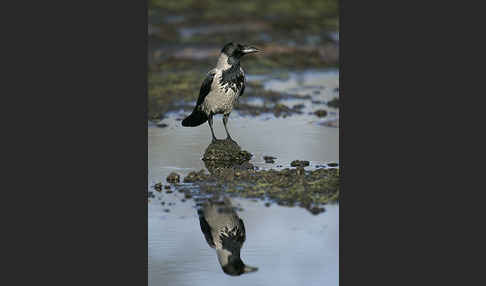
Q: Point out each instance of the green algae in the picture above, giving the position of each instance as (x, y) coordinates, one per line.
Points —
(166, 89)
(230, 172)
(288, 187)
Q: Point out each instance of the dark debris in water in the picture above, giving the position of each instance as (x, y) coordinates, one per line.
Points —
(173, 178)
(158, 187)
(316, 210)
(320, 113)
(299, 163)
(269, 159)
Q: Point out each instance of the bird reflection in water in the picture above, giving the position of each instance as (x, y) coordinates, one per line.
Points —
(225, 232)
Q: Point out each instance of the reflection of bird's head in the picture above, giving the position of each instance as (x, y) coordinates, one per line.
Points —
(232, 263)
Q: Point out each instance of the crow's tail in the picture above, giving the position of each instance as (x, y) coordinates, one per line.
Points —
(196, 118)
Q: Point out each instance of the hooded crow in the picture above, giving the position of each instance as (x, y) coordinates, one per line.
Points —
(221, 88)
(225, 232)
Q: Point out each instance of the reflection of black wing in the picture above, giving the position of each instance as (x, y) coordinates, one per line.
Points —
(206, 229)
(243, 232)
(233, 239)
(205, 87)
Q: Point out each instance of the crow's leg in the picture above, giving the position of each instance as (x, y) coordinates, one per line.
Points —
(225, 121)
(210, 121)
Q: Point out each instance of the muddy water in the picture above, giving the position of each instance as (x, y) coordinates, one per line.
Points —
(288, 245)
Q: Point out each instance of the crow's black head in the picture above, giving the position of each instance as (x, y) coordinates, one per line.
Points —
(237, 50)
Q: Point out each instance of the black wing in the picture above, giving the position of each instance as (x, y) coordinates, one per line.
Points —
(206, 229)
(205, 88)
(242, 89)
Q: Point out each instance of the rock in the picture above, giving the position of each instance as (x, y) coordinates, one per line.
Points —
(226, 150)
(298, 106)
(316, 210)
(280, 109)
(269, 159)
(298, 163)
(320, 113)
(173, 178)
(195, 176)
(158, 187)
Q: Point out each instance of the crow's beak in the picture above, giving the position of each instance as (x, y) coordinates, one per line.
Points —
(249, 269)
(249, 50)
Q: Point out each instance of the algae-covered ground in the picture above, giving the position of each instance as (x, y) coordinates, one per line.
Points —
(231, 173)
(186, 36)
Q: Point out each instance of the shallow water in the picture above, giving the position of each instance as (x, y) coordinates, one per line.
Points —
(289, 245)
